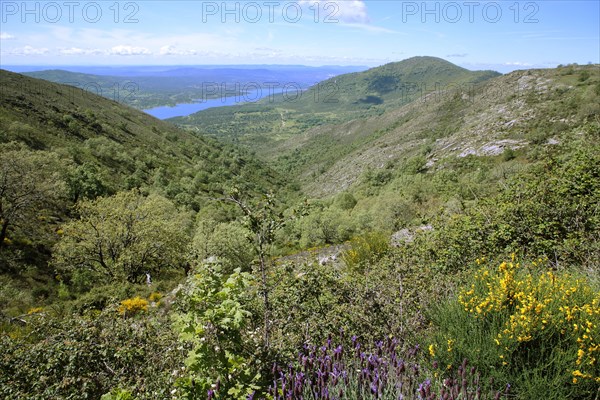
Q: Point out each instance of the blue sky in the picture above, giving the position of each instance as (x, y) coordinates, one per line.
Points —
(501, 35)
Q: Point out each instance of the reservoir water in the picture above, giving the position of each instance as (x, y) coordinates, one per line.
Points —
(185, 109)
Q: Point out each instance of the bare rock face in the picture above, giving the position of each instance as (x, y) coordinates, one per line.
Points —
(407, 235)
(494, 148)
(401, 237)
(328, 259)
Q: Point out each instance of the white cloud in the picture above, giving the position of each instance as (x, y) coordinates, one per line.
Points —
(267, 51)
(369, 28)
(76, 51)
(123, 50)
(172, 51)
(348, 11)
(6, 36)
(353, 11)
(518, 64)
(29, 51)
(457, 55)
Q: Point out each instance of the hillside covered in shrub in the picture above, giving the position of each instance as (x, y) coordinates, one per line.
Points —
(142, 261)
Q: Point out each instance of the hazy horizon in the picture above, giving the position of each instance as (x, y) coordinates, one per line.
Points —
(81, 67)
(501, 36)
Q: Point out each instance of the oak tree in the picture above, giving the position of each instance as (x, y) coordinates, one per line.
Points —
(123, 237)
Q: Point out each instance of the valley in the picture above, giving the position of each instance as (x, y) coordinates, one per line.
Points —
(417, 207)
(169, 86)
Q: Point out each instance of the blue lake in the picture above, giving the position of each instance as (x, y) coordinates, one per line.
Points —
(184, 109)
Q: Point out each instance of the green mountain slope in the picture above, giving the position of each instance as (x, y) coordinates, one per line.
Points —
(60, 145)
(447, 113)
(518, 110)
(125, 90)
(401, 170)
(262, 125)
(388, 85)
(129, 147)
(444, 149)
(423, 106)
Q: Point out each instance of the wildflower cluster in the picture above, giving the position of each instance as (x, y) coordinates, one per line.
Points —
(334, 372)
(133, 306)
(586, 319)
(155, 297)
(536, 308)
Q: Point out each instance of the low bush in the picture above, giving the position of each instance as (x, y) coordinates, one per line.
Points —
(214, 319)
(130, 307)
(366, 249)
(533, 328)
(73, 357)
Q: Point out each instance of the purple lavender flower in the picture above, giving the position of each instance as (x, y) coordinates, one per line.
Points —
(337, 352)
(327, 372)
(374, 389)
(421, 391)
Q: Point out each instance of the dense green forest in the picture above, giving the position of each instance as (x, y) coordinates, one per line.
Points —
(439, 245)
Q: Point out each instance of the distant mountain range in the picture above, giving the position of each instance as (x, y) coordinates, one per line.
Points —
(173, 70)
(148, 87)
